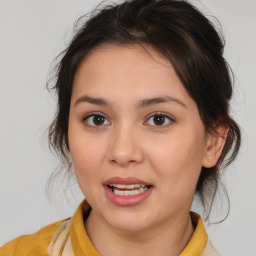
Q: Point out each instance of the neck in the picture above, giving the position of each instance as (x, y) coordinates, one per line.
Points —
(168, 238)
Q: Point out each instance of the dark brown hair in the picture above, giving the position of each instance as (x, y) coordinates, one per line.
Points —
(182, 34)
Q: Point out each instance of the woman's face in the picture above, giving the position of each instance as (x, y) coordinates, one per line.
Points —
(136, 138)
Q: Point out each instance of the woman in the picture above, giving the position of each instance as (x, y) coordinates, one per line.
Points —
(143, 114)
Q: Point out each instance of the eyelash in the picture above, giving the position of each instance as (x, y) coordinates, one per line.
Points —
(93, 114)
(152, 115)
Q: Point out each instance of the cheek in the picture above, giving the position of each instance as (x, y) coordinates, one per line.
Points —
(86, 153)
(87, 162)
(86, 157)
(178, 163)
(83, 155)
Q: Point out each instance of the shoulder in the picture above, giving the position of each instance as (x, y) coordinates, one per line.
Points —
(31, 244)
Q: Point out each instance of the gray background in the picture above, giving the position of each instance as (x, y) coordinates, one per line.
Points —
(32, 34)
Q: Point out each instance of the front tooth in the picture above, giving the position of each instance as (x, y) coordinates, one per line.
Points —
(117, 185)
(119, 192)
(130, 192)
(130, 186)
(133, 192)
(120, 186)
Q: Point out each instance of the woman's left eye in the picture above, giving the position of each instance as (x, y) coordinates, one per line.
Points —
(160, 120)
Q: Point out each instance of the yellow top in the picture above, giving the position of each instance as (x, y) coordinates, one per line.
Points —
(38, 243)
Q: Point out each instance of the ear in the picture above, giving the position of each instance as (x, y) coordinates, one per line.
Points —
(215, 144)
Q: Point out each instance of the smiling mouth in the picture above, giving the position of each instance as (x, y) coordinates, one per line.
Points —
(128, 190)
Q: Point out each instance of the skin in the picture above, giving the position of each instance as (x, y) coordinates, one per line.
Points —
(129, 143)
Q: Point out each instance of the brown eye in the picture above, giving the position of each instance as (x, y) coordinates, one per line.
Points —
(95, 120)
(98, 120)
(160, 120)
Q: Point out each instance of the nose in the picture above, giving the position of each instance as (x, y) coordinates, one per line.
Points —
(125, 147)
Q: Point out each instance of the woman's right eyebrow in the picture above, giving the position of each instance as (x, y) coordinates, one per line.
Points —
(95, 101)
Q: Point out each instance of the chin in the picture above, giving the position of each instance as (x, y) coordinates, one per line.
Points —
(129, 222)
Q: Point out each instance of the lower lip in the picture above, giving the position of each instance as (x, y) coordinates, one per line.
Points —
(127, 200)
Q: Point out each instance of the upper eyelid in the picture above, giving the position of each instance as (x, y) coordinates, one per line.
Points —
(160, 113)
(94, 114)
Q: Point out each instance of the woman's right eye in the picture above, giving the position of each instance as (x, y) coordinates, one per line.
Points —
(95, 120)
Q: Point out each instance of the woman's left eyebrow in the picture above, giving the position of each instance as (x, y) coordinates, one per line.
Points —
(158, 100)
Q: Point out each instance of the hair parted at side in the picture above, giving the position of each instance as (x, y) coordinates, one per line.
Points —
(182, 34)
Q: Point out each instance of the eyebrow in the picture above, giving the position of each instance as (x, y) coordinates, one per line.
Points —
(158, 100)
(95, 101)
(141, 104)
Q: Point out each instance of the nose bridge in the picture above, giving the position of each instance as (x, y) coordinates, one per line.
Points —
(125, 145)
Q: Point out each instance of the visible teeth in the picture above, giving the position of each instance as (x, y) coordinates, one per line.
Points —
(129, 192)
(129, 186)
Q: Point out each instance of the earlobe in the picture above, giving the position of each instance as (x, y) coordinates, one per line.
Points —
(215, 144)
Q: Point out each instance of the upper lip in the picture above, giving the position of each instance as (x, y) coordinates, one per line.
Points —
(125, 181)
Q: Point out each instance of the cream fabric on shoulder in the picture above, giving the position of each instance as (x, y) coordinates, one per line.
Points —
(209, 250)
(60, 244)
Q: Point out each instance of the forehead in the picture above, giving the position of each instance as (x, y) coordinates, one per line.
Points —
(125, 58)
(133, 71)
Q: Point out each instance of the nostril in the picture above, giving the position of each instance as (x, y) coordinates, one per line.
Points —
(122, 162)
